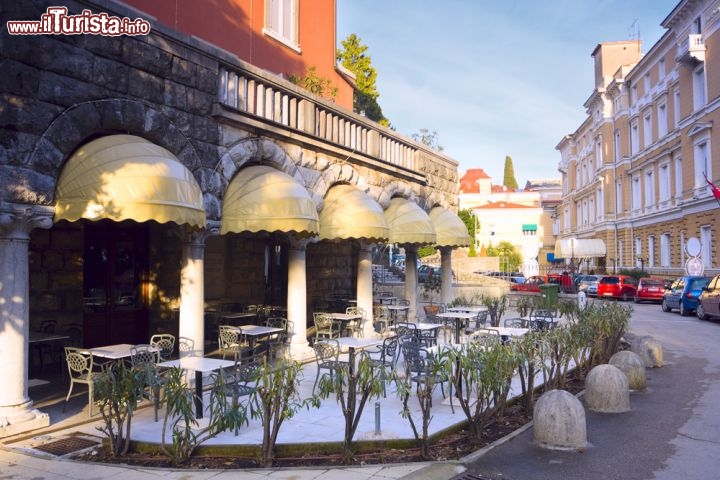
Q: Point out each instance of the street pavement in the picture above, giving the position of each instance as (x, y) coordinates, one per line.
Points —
(671, 432)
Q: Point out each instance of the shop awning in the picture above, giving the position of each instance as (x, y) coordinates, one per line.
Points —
(529, 227)
(349, 213)
(582, 248)
(263, 199)
(409, 223)
(450, 230)
(124, 177)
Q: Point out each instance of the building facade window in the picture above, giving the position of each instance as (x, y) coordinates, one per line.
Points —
(646, 84)
(638, 250)
(636, 194)
(664, 183)
(676, 107)
(682, 248)
(706, 245)
(665, 250)
(699, 91)
(662, 120)
(647, 130)
(678, 177)
(600, 203)
(661, 69)
(702, 166)
(281, 20)
(618, 197)
(634, 140)
(651, 251)
(649, 188)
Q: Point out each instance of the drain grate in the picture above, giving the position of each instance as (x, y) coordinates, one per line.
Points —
(66, 445)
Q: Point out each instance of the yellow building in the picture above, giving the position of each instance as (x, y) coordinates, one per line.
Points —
(634, 171)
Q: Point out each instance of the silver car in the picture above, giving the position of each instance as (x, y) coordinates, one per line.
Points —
(588, 284)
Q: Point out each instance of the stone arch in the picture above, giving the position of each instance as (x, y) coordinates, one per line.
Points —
(252, 151)
(339, 173)
(396, 188)
(76, 124)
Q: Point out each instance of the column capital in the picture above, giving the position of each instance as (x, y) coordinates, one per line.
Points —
(301, 243)
(17, 220)
(197, 237)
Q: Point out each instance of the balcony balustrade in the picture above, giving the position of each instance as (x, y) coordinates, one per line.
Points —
(691, 49)
(268, 99)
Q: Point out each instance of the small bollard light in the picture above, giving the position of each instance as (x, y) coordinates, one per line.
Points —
(377, 418)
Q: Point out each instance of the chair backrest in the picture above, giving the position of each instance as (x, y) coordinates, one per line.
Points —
(402, 328)
(143, 355)
(516, 322)
(247, 371)
(228, 337)
(79, 362)
(165, 342)
(326, 350)
(323, 321)
(389, 348)
(486, 337)
(355, 311)
(74, 331)
(381, 312)
(415, 357)
(278, 322)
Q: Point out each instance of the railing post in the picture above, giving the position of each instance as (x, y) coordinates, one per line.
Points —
(306, 117)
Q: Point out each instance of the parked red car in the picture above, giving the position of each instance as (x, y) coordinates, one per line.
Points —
(650, 289)
(617, 286)
(533, 283)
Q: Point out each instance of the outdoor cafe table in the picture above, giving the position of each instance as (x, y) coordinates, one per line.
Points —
(200, 365)
(510, 331)
(116, 352)
(238, 315)
(394, 309)
(344, 318)
(255, 331)
(467, 309)
(460, 318)
(352, 343)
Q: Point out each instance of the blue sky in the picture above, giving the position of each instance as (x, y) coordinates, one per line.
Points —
(493, 78)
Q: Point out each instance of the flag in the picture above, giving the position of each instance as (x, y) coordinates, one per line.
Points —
(715, 190)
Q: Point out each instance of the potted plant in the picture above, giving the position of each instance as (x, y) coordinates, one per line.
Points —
(431, 287)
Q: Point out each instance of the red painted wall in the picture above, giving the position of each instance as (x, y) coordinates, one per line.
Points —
(237, 26)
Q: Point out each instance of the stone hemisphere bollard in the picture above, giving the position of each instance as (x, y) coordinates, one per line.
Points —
(607, 390)
(559, 421)
(632, 366)
(649, 350)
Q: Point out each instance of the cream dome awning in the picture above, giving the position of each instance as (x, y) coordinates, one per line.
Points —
(263, 199)
(125, 177)
(409, 223)
(349, 213)
(579, 248)
(450, 230)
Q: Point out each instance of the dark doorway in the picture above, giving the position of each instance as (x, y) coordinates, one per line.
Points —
(276, 274)
(115, 274)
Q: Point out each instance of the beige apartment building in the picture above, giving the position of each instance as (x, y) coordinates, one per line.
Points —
(634, 171)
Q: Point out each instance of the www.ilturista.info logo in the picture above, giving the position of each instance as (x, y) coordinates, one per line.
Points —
(57, 22)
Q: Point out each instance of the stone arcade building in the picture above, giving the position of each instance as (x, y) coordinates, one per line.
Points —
(143, 178)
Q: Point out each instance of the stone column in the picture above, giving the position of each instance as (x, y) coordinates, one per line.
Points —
(364, 287)
(192, 291)
(16, 222)
(411, 283)
(446, 289)
(297, 299)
